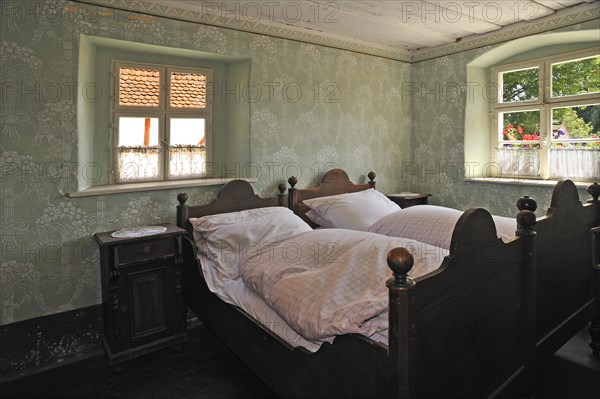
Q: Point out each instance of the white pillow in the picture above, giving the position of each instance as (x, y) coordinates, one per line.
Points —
(226, 239)
(430, 224)
(354, 211)
(314, 216)
(433, 225)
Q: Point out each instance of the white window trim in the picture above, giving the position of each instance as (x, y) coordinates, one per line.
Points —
(164, 112)
(544, 104)
(153, 186)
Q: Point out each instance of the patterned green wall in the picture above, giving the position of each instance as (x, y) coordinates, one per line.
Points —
(356, 111)
(351, 113)
(441, 90)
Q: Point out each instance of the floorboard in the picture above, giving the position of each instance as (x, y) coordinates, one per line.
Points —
(205, 368)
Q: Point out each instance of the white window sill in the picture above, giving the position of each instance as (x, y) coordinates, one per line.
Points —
(523, 182)
(151, 186)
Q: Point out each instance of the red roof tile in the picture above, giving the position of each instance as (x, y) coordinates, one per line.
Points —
(139, 87)
(188, 90)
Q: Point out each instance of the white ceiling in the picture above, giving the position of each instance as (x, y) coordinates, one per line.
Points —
(400, 25)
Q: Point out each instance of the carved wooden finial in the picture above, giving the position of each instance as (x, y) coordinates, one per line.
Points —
(594, 190)
(281, 187)
(182, 198)
(527, 204)
(371, 176)
(400, 261)
(525, 221)
(293, 181)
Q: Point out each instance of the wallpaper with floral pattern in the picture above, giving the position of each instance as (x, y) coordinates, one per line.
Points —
(355, 111)
(340, 109)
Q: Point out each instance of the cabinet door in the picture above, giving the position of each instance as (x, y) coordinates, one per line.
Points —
(148, 304)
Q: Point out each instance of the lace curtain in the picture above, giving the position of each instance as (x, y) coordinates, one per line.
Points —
(519, 162)
(578, 164)
(187, 161)
(138, 164)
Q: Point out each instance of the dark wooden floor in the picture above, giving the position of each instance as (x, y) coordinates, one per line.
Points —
(207, 369)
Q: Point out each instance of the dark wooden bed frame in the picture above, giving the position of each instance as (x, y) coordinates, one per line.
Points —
(476, 327)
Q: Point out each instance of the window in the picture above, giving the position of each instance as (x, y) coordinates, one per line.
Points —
(547, 118)
(161, 126)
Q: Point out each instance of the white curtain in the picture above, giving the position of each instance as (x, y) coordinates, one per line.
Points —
(138, 164)
(519, 162)
(187, 161)
(578, 164)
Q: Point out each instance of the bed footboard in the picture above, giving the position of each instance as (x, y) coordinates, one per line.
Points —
(464, 326)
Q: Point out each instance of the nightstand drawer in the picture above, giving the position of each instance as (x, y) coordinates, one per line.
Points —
(144, 251)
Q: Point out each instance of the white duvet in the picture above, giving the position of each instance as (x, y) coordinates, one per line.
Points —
(329, 282)
(433, 225)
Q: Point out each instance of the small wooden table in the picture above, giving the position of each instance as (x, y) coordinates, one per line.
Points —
(142, 294)
(404, 200)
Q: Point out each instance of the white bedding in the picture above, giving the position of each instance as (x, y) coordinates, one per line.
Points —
(433, 225)
(329, 282)
(280, 241)
(224, 239)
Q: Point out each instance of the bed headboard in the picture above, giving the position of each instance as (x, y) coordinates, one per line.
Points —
(336, 181)
(236, 195)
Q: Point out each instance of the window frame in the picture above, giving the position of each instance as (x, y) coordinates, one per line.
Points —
(164, 112)
(545, 104)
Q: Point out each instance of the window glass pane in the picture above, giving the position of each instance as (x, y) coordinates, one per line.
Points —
(139, 87)
(522, 85)
(187, 132)
(138, 132)
(575, 151)
(188, 90)
(581, 122)
(522, 126)
(576, 77)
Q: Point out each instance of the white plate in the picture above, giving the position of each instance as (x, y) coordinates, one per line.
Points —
(139, 231)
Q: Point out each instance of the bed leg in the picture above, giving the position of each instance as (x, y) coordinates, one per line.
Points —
(526, 221)
(595, 324)
(402, 329)
(595, 338)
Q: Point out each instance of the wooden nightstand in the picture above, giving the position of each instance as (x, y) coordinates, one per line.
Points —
(404, 200)
(142, 296)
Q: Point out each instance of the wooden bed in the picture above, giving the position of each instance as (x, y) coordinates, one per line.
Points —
(565, 294)
(466, 330)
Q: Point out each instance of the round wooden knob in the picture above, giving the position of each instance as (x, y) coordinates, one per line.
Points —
(594, 190)
(293, 181)
(527, 204)
(526, 219)
(281, 187)
(371, 175)
(400, 261)
(182, 198)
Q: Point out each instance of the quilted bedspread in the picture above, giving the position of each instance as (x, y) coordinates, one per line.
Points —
(329, 282)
